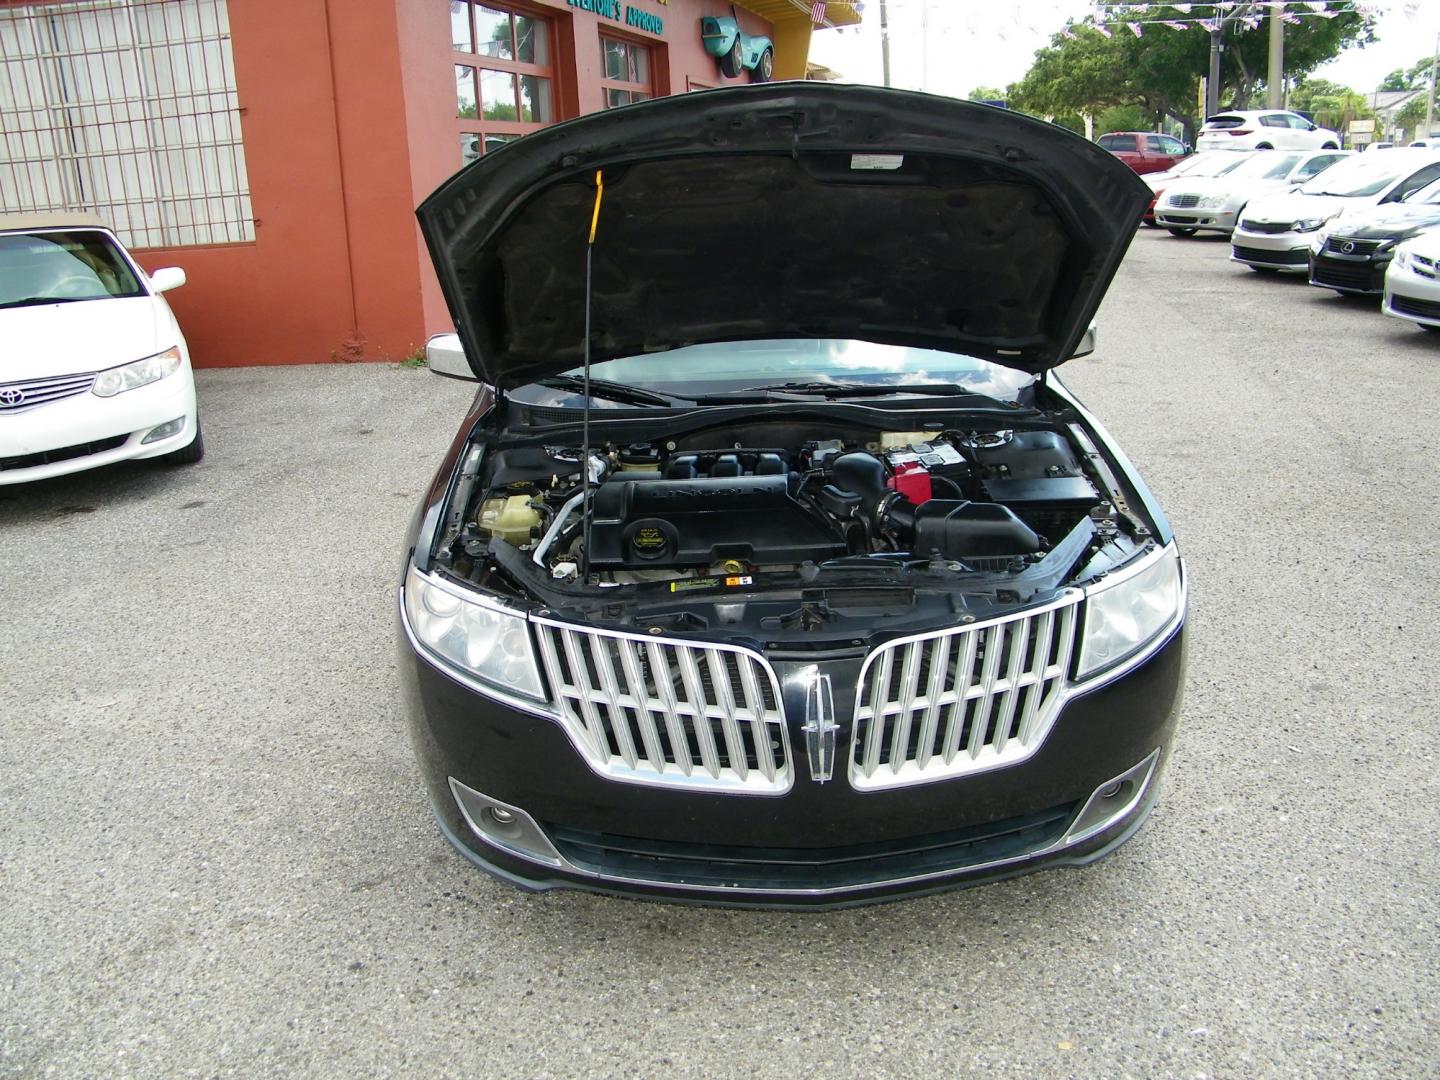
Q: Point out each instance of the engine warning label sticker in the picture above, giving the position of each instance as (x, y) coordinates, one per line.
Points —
(710, 583)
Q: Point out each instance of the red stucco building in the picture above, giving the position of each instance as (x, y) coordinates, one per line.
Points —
(276, 149)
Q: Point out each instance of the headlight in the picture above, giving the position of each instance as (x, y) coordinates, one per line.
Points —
(117, 380)
(1309, 224)
(1402, 258)
(1125, 614)
(483, 640)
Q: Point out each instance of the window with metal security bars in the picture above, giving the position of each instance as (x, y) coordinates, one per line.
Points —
(128, 109)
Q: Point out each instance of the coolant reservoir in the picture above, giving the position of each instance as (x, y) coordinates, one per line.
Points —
(509, 518)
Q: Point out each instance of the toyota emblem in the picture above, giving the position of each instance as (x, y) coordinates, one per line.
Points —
(1348, 247)
(10, 397)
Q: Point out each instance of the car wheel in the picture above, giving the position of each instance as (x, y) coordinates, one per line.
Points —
(1182, 232)
(765, 69)
(188, 455)
(733, 62)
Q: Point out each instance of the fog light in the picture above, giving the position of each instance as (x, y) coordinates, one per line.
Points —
(1111, 791)
(504, 817)
(164, 431)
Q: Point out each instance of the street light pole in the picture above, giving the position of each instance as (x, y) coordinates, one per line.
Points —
(885, 41)
(1275, 76)
(1430, 92)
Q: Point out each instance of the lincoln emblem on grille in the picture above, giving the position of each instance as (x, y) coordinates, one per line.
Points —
(820, 726)
(11, 397)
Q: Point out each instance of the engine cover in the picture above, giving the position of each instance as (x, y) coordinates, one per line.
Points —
(652, 522)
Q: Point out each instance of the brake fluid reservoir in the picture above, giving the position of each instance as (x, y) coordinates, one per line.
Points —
(510, 518)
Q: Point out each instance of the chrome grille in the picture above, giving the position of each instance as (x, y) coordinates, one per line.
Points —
(1185, 201)
(963, 700)
(1358, 248)
(19, 396)
(660, 711)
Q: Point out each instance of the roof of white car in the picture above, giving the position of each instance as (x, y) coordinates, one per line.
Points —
(71, 219)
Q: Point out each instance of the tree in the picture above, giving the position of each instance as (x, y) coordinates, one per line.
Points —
(1160, 70)
(1331, 104)
(986, 93)
(1403, 79)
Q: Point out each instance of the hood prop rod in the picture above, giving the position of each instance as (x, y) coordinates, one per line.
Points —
(585, 411)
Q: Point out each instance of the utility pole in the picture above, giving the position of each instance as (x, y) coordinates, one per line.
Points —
(1212, 84)
(1430, 90)
(885, 41)
(1275, 77)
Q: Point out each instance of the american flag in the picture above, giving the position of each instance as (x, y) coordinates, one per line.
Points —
(817, 13)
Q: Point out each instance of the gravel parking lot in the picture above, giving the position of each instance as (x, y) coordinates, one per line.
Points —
(216, 859)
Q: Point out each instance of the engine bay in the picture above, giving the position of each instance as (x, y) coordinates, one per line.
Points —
(744, 506)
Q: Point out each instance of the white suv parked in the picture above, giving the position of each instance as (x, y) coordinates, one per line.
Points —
(1268, 129)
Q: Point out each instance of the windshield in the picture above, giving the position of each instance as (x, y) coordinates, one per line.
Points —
(1215, 163)
(1428, 194)
(721, 367)
(1358, 176)
(1266, 165)
(61, 267)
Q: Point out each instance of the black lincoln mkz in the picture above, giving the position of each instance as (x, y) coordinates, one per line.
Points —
(807, 582)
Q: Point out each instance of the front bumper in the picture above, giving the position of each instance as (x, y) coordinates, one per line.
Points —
(1358, 276)
(1412, 297)
(818, 844)
(1208, 220)
(85, 431)
(1287, 251)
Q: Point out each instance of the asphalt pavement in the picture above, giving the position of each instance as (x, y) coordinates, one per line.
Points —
(216, 859)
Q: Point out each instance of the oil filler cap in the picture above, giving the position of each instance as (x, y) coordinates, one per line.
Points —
(651, 539)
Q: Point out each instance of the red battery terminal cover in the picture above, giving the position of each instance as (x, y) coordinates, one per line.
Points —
(912, 480)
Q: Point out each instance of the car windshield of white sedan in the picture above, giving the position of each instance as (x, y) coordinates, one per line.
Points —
(1428, 194)
(1265, 165)
(726, 367)
(1218, 162)
(1358, 176)
(62, 267)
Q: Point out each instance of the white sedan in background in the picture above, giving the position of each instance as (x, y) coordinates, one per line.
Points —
(1412, 282)
(93, 368)
(1275, 232)
(1214, 203)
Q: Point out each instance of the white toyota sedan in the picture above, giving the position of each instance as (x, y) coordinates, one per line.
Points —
(93, 367)
(1412, 282)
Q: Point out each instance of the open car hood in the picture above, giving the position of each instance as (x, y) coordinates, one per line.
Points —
(796, 209)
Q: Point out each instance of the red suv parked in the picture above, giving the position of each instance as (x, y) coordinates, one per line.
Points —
(1144, 151)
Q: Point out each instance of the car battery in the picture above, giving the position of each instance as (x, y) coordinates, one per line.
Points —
(938, 459)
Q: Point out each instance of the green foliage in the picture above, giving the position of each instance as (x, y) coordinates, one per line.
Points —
(1160, 71)
(414, 360)
(1401, 79)
(986, 93)
(1121, 118)
(1412, 117)
(1332, 105)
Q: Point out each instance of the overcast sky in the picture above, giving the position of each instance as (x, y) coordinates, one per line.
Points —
(953, 46)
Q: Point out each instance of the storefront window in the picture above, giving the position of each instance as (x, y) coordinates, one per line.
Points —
(627, 72)
(505, 85)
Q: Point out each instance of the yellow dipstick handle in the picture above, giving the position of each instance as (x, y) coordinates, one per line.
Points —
(599, 194)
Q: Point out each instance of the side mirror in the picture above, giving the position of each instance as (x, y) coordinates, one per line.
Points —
(1087, 343)
(166, 278)
(445, 356)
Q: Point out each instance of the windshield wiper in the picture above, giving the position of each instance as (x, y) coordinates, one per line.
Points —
(610, 391)
(35, 301)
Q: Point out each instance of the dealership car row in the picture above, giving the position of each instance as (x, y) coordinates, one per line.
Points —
(1365, 225)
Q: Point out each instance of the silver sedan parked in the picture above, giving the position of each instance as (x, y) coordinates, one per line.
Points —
(1214, 203)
